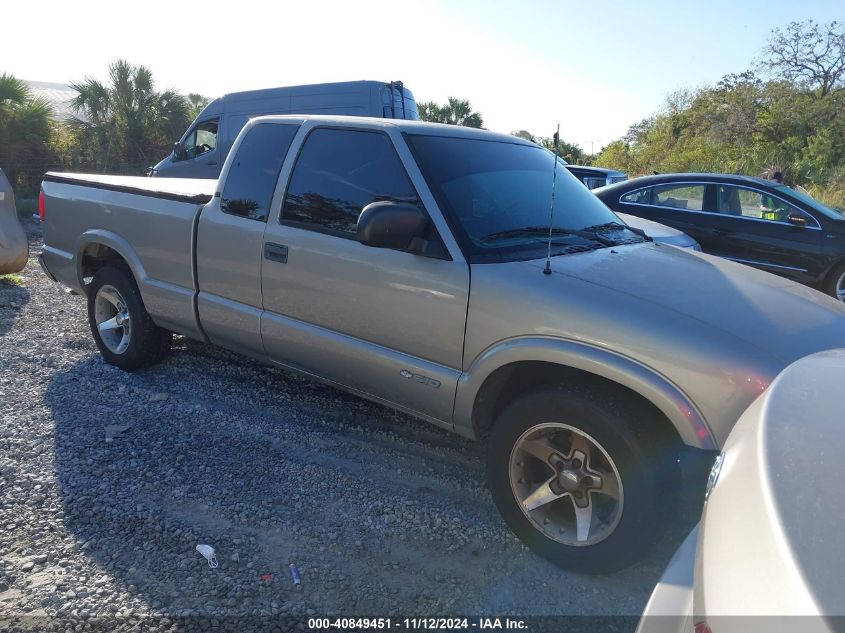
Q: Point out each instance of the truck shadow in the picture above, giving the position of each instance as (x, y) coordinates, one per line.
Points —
(271, 469)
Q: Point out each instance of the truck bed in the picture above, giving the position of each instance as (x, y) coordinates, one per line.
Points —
(85, 212)
(192, 190)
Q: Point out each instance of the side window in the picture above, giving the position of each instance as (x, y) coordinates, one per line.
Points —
(252, 177)
(337, 174)
(643, 196)
(201, 140)
(687, 197)
(594, 182)
(749, 203)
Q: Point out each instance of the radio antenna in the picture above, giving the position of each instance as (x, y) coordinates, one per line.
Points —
(548, 269)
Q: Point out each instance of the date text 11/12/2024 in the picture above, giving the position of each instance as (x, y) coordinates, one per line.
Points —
(417, 623)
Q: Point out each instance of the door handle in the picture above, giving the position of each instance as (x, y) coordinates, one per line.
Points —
(276, 252)
(722, 232)
(213, 162)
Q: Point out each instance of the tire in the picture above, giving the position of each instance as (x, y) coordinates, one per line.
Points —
(835, 286)
(614, 430)
(130, 339)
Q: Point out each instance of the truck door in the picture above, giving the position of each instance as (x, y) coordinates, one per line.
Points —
(386, 323)
(229, 240)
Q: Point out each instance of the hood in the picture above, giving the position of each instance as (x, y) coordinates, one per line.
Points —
(787, 537)
(780, 317)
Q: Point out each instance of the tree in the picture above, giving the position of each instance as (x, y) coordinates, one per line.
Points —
(198, 102)
(808, 53)
(570, 152)
(127, 121)
(455, 112)
(25, 130)
(525, 134)
(430, 112)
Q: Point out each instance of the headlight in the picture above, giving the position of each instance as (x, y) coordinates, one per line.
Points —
(714, 475)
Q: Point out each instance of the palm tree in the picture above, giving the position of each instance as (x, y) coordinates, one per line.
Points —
(459, 112)
(13, 93)
(198, 102)
(127, 119)
(24, 134)
(430, 112)
(455, 112)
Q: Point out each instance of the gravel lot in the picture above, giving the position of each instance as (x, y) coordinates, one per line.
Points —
(382, 514)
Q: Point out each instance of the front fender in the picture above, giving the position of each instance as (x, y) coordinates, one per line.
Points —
(654, 387)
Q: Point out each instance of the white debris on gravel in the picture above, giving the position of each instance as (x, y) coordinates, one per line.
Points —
(383, 514)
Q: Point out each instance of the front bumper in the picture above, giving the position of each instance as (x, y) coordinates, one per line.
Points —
(670, 608)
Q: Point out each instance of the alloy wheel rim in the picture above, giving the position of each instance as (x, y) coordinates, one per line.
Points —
(112, 319)
(566, 484)
(840, 288)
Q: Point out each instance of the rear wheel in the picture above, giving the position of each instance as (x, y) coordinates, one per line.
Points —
(123, 330)
(579, 476)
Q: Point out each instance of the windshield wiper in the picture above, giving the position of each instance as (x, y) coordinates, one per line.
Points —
(616, 226)
(542, 231)
(607, 226)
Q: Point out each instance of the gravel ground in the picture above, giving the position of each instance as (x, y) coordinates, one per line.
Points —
(109, 480)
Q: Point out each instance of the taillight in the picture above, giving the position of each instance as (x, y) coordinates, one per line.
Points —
(702, 627)
(41, 206)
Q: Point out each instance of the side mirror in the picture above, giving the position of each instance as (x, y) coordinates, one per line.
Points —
(179, 151)
(797, 219)
(396, 225)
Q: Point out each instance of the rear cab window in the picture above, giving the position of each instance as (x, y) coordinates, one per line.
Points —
(249, 186)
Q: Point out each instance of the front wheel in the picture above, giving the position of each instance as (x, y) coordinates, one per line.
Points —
(836, 283)
(123, 330)
(578, 476)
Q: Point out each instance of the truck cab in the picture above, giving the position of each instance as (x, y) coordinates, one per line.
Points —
(203, 148)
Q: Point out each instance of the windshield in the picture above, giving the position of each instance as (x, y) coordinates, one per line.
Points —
(836, 214)
(497, 195)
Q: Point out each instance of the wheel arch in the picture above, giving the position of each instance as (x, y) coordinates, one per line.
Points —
(98, 248)
(514, 366)
(836, 266)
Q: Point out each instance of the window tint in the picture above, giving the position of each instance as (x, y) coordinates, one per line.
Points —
(643, 196)
(749, 203)
(687, 197)
(338, 173)
(252, 177)
(201, 140)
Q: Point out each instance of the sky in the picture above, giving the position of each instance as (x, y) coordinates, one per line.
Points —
(596, 68)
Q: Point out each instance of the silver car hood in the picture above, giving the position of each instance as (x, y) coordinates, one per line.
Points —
(771, 537)
(781, 318)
